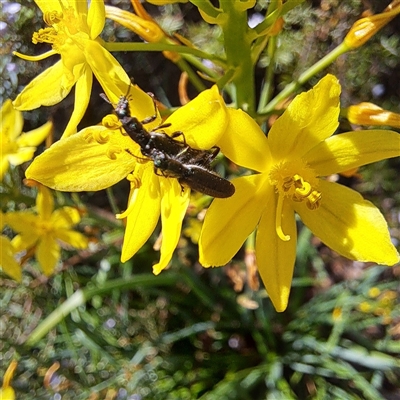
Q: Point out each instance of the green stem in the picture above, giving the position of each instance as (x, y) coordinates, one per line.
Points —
(193, 77)
(111, 199)
(238, 55)
(266, 91)
(81, 296)
(162, 47)
(305, 76)
(201, 67)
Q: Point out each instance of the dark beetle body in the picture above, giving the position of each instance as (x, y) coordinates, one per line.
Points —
(193, 175)
(174, 158)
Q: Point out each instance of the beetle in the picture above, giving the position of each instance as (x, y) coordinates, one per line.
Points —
(174, 158)
(195, 176)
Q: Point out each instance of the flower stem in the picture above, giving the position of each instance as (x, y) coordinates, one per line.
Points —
(193, 77)
(111, 199)
(162, 47)
(305, 76)
(238, 55)
(266, 91)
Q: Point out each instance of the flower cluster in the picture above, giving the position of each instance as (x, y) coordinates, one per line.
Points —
(39, 232)
(286, 172)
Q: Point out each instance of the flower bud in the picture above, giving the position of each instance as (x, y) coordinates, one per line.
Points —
(371, 114)
(364, 28)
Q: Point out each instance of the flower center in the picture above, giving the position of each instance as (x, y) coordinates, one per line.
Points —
(294, 181)
(62, 24)
(44, 227)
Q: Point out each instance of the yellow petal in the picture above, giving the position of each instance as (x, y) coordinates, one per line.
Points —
(7, 261)
(7, 393)
(230, 221)
(96, 18)
(111, 76)
(44, 203)
(21, 156)
(145, 213)
(44, 90)
(350, 225)
(203, 120)
(116, 83)
(65, 217)
(352, 149)
(310, 118)
(48, 254)
(11, 121)
(174, 204)
(235, 144)
(22, 221)
(275, 257)
(83, 89)
(25, 240)
(73, 164)
(73, 238)
(3, 166)
(36, 136)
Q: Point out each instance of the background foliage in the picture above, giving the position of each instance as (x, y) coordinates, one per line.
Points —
(193, 333)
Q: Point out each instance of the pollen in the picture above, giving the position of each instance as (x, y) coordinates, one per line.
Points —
(46, 35)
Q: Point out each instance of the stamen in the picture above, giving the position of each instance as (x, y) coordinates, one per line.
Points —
(313, 200)
(46, 35)
(101, 137)
(111, 122)
(287, 183)
(278, 219)
(303, 189)
(113, 151)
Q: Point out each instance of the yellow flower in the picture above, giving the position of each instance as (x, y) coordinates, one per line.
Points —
(43, 230)
(371, 114)
(17, 147)
(97, 158)
(299, 150)
(364, 28)
(6, 391)
(73, 31)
